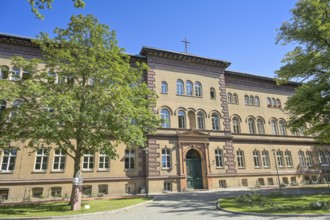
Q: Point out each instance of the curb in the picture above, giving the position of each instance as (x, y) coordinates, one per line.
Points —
(268, 215)
(82, 215)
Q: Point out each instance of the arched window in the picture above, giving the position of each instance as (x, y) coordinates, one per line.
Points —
(251, 100)
(301, 157)
(200, 120)
(15, 73)
(327, 157)
(278, 103)
(273, 102)
(282, 127)
(215, 121)
(309, 160)
(179, 87)
(212, 93)
(165, 118)
(236, 125)
(189, 88)
(198, 89)
(288, 158)
(246, 99)
(265, 159)
(269, 101)
(164, 87)
(260, 126)
(256, 158)
(321, 157)
(230, 98)
(280, 160)
(240, 159)
(252, 126)
(274, 127)
(256, 101)
(4, 72)
(182, 119)
(235, 98)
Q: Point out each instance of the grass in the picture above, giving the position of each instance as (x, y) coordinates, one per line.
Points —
(277, 203)
(62, 208)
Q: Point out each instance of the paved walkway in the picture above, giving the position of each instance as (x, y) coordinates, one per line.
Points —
(184, 206)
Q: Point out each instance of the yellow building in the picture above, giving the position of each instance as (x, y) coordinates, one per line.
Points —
(219, 129)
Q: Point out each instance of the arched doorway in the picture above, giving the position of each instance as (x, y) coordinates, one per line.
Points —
(194, 170)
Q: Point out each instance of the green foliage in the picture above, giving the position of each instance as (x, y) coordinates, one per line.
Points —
(254, 199)
(96, 101)
(309, 28)
(37, 5)
(320, 205)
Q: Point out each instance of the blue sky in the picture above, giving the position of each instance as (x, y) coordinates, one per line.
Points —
(240, 31)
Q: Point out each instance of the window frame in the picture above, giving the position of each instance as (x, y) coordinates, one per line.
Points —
(104, 160)
(10, 157)
(215, 118)
(212, 93)
(288, 158)
(189, 88)
(201, 120)
(164, 87)
(252, 126)
(181, 119)
(265, 159)
(256, 159)
(219, 158)
(198, 89)
(89, 161)
(61, 160)
(179, 87)
(166, 158)
(43, 154)
(165, 118)
(129, 159)
(240, 159)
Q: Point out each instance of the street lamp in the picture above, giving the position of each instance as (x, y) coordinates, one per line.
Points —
(278, 176)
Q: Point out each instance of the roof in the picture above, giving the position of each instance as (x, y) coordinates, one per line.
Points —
(147, 51)
(16, 39)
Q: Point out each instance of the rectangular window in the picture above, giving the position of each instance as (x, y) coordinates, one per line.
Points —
(87, 190)
(244, 182)
(288, 159)
(166, 158)
(104, 162)
(4, 194)
(219, 158)
(240, 159)
(301, 157)
(222, 184)
(265, 159)
(59, 160)
(56, 191)
(256, 158)
(8, 160)
(270, 181)
(41, 159)
(103, 189)
(129, 159)
(280, 161)
(167, 186)
(309, 161)
(37, 192)
(88, 161)
(260, 182)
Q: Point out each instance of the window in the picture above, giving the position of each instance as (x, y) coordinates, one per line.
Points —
(269, 101)
(230, 98)
(212, 93)
(200, 120)
(261, 182)
(166, 158)
(56, 191)
(278, 103)
(182, 119)
(104, 162)
(26, 75)
(41, 159)
(251, 100)
(256, 158)
(215, 121)
(164, 87)
(235, 98)
(236, 125)
(15, 73)
(252, 126)
(244, 182)
(222, 184)
(59, 160)
(88, 161)
(4, 72)
(256, 101)
(51, 77)
(8, 160)
(301, 158)
(274, 127)
(4, 194)
(165, 118)
(260, 126)
(282, 127)
(246, 99)
(219, 158)
(288, 159)
(321, 157)
(37, 192)
(129, 159)
(285, 180)
(327, 157)
(309, 161)
(87, 190)
(240, 159)
(198, 89)
(179, 87)
(189, 88)
(273, 102)
(265, 159)
(167, 186)
(270, 181)
(280, 161)
(103, 189)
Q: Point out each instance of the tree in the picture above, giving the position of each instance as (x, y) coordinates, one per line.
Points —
(309, 62)
(83, 95)
(37, 5)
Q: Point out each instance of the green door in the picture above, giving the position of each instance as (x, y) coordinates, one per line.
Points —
(194, 170)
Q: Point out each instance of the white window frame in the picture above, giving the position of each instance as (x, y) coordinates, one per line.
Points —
(9, 165)
(240, 159)
(43, 154)
(88, 161)
(189, 88)
(309, 159)
(219, 162)
(198, 89)
(129, 159)
(179, 87)
(165, 118)
(61, 157)
(288, 158)
(265, 159)
(164, 87)
(256, 159)
(166, 158)
(181, 119)
(201, 120)
(279, 157)
(252, 126)
(104, 162)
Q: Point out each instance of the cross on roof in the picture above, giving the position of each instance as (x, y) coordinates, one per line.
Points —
(185, 45)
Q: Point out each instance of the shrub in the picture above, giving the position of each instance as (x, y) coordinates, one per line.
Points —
(324, 205)
(254, 199)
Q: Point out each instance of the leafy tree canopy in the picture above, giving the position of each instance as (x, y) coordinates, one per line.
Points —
(309, 29)
(37, 5)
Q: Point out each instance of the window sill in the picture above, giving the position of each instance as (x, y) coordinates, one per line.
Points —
(57, 171)
(39, 171)
(219, 168)
(87, 171)
(164, 93)
(103, 170)
(6, 172)
(192, 96)
(241, 168)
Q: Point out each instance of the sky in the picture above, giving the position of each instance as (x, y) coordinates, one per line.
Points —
(239, 31)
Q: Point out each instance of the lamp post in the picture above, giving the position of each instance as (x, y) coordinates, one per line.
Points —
(278, 176)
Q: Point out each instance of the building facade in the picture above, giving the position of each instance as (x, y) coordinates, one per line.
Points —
(218, 129)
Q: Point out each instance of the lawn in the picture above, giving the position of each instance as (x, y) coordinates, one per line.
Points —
(278, 203)
(62, 208)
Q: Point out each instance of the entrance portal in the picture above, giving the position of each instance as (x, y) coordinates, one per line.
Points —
(194, 170)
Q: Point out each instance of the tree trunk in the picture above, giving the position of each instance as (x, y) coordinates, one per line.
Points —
(77, 168)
